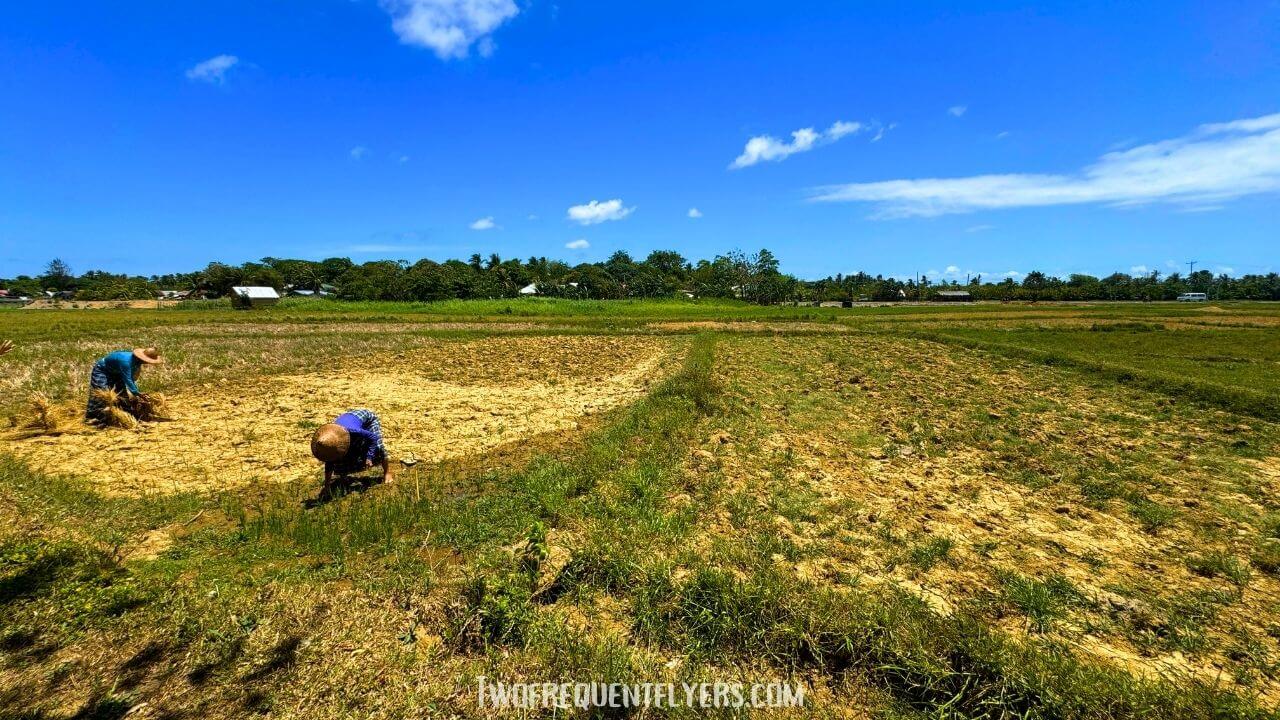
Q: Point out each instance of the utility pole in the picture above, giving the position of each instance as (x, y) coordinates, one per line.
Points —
(1192, 265)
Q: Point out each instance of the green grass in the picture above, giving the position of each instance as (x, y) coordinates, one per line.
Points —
(1232, 368)
(931, 552)
(1042, 601)
(1220, 564)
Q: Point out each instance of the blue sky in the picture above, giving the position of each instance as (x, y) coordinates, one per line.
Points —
(982, 138)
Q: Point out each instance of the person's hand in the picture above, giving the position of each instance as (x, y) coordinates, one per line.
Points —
(368, 464)
(5, 346)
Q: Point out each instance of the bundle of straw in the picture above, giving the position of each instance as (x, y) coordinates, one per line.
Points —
(118, 417)
(42, 418)
(113, 415)
(107, 396)
(149, 407)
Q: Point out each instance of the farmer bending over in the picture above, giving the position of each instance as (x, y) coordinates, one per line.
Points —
(349, 444)
(119, 372)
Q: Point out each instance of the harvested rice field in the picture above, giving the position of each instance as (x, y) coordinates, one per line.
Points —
(443, 400)
(990, 511)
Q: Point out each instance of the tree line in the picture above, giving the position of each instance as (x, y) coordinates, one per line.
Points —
(663, 273)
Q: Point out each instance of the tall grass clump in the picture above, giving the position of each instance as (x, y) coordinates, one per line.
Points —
(942, 666)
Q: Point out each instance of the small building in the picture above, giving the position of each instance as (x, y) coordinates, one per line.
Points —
(954, 296)
(530, 289)
(325, 290)
(174, 294)
(253, 296)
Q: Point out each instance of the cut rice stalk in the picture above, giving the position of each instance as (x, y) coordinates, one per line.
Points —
(106, 396)
(150, 406)
(116, 417)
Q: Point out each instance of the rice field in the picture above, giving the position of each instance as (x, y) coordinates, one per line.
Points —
(986, 511)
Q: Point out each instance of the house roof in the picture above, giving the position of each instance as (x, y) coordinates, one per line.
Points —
(254, 292)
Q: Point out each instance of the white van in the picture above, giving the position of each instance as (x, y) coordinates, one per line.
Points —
(1193, 297)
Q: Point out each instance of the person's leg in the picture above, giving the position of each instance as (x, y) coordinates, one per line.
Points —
(97, 381)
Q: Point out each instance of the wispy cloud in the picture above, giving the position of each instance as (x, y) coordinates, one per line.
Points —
(449, 27)
(579, 244)
(695, 213)
(881, 130)
(763, 148)
(979, 228)
(484, 223)
(596, 212)
(958, 273)
(213, 70)
(1139, 270)
(1215, 162)
(358, 152)
(957, 110)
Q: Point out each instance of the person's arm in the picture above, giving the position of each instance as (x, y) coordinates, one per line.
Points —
(377, 449)
(129, 383)
(373, 426)
(328, 476)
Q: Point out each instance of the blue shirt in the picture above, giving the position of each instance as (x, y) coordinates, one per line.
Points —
(120, 367)
(366, 441)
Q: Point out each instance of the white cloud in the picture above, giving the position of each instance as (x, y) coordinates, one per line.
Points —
(402, 159)
(596, 212)
(1214, 163)
(1226, 270)
(533, 217)
(358, 152)
(766, 147)
(449, 27)
(213, 70)
(955, 272)
(840, 128)
(695, 213)
(1139, 270)
(484, 223)
(1002, 134)
(881, 130)
(957, 110)
(579, 244)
